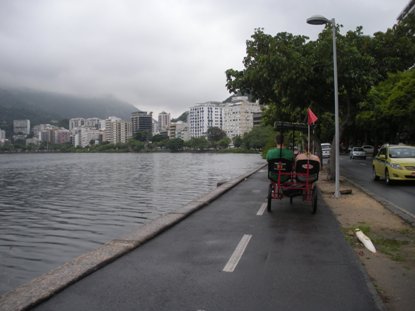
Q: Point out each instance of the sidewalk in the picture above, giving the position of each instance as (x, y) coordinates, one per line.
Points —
(291, 260)
(392, 268)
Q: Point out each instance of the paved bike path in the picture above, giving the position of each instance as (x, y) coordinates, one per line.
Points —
(293, 260)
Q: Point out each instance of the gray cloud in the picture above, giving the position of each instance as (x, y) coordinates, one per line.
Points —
(158, 55)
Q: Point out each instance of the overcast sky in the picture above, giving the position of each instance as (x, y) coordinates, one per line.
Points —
(156, 54)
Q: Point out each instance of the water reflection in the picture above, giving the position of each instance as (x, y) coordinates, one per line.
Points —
(54, 207)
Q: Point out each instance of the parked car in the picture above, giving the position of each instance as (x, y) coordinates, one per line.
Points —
(394, 162)
(369, 149)
(325, 150)
(358, 152)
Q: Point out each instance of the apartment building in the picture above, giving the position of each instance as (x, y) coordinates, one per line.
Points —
(76, 123)
(51, 134)
(43, 132)
(155, 127)
(238, 116)
(163, 122)
(182, 130)
(142, 121)
(86, 135)
(204, 116)
(409, 9)
(37, 129)
(61, 136)
(122, 131)
(117, 130)
(107, 128)
(257, 116)
(21, 127)
(2, 136)
(93, 123)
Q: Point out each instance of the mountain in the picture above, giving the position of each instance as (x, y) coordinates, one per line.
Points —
(183, 117)
(44, 107)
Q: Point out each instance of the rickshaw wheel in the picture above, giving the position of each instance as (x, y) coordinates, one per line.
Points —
(314, 200)
(269, 198)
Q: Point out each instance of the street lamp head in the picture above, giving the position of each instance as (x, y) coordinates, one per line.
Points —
(317, 20)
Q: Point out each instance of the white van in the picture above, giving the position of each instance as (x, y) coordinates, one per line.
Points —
(325, 150)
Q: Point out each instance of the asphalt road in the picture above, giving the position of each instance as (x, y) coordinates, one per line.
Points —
(400, 195)
(233, 255)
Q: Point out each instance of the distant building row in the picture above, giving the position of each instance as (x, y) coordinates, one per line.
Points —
(235, 118)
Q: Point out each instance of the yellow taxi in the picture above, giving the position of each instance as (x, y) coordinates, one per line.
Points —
(394, 162)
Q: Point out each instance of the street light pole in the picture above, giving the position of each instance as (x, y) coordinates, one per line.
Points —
(336, 114)
(320, 20)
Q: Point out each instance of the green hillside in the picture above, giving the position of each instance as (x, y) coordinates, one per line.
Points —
(44, 107)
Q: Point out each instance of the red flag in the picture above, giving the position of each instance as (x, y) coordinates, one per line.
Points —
(312, 118)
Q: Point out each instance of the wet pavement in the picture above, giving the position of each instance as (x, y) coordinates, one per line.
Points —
(232, 255)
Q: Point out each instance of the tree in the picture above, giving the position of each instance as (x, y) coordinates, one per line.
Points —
(237, 141)
(197, 143)
(288, 73)
(175, 144)
(325, 129)
(215, 134)
(135, 145)
(394, 50)
(389, 109)
(158, 138)
(259, 137)
(142, 136)
(276, 73)
(224, 142)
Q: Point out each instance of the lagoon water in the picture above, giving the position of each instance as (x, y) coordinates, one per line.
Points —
(54, 207)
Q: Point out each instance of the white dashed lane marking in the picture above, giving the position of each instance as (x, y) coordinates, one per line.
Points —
(237, 253)
(262, 209)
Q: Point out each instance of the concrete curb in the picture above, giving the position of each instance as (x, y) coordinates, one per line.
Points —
(50, 283)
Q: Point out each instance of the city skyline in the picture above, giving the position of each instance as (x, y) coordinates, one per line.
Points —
(235, 118)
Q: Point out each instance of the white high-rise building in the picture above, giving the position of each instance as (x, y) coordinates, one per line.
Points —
(2, 136)
(163, 122)
(204, 116)
(108, 134)
(87, 134)
(75, 123)
(238, 116)
(117, 130)
(93, 123)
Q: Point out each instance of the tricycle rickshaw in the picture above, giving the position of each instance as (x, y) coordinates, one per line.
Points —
(290, 178)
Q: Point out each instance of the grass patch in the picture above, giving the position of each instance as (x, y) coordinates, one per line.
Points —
(349, 233)
(365, 228)
(407, 231)
(390, 247)
(393, 245)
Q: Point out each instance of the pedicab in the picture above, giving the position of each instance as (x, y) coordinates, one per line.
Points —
(290, 178)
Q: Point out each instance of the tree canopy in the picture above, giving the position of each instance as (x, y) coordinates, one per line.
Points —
(389, 109)
(288, 73)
